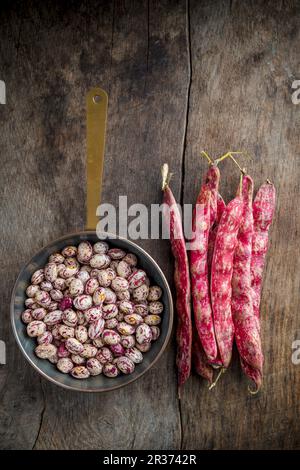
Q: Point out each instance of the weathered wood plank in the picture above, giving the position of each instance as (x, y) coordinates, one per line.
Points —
(131, 49)
(244, 59)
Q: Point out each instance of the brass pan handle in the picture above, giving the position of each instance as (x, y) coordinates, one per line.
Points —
(96, 115)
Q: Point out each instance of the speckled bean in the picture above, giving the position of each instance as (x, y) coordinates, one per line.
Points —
(110, 337)
(29, 302)
(69, 251)
(93, 366)
(101, 248)
(110, 296)
(32, 290)
(52, 318)
(130, 259)
(99, 296)
(91, 285)
(99, 261)
(125, 329)
(65, 365)
(155, 330)
(123, 269)
(81, 333)
(84, 252)
(143, 334)
(37, 277)
(156, 307)
(104, 355)
(152, 320)
(62, 351)
(119, 284)
(95, 329)
(83, 275)
(137, 279)
(140, 293)
(55, 332)
(110, 370)
(98, 342)
(126, 307)
(116, 253)
(50, 272)
(141, 309)
(69, 317)
(134, 319)
(94, 273)
(39, 313)
(83, 302)
(45, 338)
(80, 372)
(127, 341)
(155, 293)
(93, 314)
(76, 287)
(27, 316)
(88, 351)
(42, 298)
(56, 258)
(46, 286)
(117, 350)
(103, 278)
(111, 324)
(56, 295)
(74, 346)
(123, 295)
(125, 365)
(78, 360)
(59, 283)
(109, 311)
(44, 351)
(66, 331)
(134, 355)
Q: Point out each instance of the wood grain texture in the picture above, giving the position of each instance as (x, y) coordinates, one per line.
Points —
(244, 59)
(181, 76)
(130, 49)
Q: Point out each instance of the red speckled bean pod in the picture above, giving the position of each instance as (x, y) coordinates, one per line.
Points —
(213, 232)
(221, 274)
(246, 325)
(208, 198)
(263, 211)
(182, 281)
(199, 275)
(200, 361)
(253, 374)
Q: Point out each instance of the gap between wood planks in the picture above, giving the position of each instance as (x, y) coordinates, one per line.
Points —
(183, 155)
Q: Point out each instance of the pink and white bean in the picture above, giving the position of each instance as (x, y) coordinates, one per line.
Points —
(27, 316)
(44, 351)
(65, 365)
(80, 372)
(36, 328)
(37, 277)
(155, 293)
(93, 366)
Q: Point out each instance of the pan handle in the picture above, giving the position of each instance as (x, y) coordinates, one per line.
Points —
(96, 114)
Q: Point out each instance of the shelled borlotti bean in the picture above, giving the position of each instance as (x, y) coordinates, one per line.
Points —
(92, 311)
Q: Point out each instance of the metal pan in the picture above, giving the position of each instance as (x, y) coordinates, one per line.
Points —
(96, 121)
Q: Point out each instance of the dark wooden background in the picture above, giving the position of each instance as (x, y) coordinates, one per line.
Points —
(181, 76)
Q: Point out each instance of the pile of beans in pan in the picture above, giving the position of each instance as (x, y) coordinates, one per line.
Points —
(92, 311)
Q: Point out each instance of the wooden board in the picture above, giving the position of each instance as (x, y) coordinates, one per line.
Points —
(181, 76)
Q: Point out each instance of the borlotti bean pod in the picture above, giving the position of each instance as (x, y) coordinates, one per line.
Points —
(75, 338)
